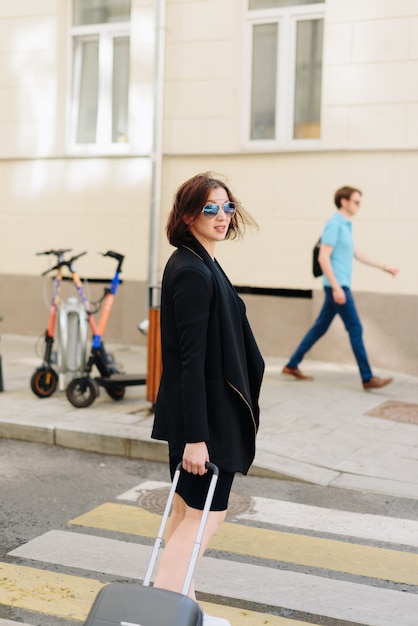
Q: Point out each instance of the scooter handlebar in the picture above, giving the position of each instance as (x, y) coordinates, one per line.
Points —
(62, 262)
(57, 253)
(115, 255)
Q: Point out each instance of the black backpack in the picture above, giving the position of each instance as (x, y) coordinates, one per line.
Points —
(316, 268)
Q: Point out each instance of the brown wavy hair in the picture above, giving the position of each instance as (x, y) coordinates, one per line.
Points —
(188, 202)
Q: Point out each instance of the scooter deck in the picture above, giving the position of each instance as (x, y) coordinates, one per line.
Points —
(126, 380)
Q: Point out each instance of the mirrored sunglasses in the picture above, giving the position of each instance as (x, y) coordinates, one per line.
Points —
(211, 209)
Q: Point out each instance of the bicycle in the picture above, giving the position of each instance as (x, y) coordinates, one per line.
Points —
(82, 391)
(44, 380)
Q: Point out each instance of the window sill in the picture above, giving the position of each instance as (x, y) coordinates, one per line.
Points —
(90, 150)
(299, 145)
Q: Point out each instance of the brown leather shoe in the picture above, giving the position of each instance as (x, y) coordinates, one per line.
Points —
(295, 371)
(375, 382)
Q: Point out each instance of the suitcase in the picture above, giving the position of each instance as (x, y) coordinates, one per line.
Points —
(125, 604)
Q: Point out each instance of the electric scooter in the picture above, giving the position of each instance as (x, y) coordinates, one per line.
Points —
(83, 391)
(44, 380)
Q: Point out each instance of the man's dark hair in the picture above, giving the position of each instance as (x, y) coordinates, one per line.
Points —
(346, 193)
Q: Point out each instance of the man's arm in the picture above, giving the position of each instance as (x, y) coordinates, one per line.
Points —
(324, 260)
(363, 258)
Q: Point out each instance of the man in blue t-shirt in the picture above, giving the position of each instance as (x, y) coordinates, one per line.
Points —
(336, 256)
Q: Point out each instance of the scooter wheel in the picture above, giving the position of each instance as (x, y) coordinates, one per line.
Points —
(116, 392)
(82, 392)
(44, 382)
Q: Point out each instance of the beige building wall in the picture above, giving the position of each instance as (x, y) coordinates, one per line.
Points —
(53, 197)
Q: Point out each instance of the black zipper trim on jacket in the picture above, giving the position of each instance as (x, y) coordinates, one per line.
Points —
(246, 402)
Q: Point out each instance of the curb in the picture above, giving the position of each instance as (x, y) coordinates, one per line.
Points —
(102, 443)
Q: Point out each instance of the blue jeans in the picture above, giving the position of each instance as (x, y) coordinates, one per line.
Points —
(349, 316)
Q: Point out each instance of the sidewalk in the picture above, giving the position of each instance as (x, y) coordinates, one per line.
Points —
(319, 431)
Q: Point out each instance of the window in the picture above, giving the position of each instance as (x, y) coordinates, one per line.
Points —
(286, 41)
(100, 74)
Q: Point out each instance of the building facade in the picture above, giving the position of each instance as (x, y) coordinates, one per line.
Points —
(109, 105)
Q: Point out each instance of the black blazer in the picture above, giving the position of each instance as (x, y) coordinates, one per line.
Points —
(212, 367)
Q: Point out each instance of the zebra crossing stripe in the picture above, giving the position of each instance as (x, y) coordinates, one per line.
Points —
(242, 582)
(298, 549)
(47, 592)
(311, 593)
(70, 597)
(313, 518)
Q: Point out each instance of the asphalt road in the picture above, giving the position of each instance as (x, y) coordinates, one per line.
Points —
(43, 487)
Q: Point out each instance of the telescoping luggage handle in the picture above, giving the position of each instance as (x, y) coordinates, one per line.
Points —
(196, 548)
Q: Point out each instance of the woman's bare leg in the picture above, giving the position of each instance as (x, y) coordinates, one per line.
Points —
(178, 511)
(180, 539)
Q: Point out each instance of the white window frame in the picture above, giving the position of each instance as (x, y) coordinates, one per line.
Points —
(105, 33)
(286, 18)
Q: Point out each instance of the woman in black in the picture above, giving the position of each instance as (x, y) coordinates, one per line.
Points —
(207, 405)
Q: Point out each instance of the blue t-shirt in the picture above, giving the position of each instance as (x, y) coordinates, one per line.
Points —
(338, 233)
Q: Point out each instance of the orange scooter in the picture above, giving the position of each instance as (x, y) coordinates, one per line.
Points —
(44, 380)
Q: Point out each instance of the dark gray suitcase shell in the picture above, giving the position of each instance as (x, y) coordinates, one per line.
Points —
(125, 604)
